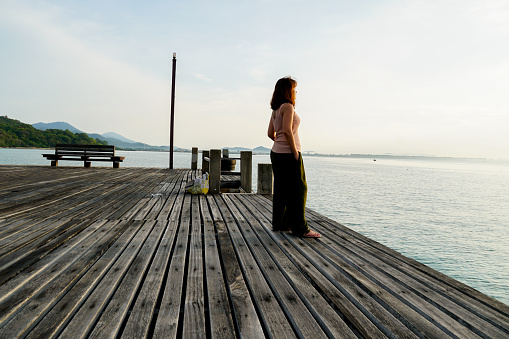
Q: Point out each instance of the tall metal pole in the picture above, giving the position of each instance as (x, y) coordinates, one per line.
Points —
(174, 68)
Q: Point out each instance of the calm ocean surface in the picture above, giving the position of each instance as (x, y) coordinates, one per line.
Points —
(450, 214)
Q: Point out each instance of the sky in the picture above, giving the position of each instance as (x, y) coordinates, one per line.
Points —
(374, 77)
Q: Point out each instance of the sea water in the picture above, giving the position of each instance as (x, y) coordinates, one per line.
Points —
(450, 214)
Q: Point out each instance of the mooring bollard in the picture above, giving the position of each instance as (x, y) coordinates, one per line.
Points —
(205, 162)
(227, 164)
(264, 179)
(246, 170)
(194, 158)
(215, 171)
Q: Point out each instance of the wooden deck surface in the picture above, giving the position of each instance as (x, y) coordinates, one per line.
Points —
(104, 253)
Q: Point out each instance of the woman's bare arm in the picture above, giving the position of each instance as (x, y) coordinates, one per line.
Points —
(287, 112)
(271, 133)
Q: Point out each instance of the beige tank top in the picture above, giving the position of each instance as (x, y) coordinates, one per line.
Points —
(280, 144)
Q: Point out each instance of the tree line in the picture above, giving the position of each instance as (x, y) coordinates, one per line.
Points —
(14, 133)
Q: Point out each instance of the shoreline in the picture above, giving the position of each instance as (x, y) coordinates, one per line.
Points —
(326, 155)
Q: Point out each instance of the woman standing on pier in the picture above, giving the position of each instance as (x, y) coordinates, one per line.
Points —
(290, 187)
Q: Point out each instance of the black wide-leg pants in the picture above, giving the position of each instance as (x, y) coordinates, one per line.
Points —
(290, 193)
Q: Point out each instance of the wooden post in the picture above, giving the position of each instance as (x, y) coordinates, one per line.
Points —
(194, 158)
(172, 114)
(226, 153)
(246, 170)
(264, 179)
(215, 171)
(205, 163)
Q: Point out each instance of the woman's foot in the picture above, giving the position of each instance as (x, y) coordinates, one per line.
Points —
(311, 234)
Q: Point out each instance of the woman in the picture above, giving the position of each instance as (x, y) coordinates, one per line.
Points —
(290, 187)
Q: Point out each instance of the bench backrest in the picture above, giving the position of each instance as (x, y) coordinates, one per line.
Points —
(89, 150)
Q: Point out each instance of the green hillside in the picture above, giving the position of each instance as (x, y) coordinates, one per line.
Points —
(14, 133)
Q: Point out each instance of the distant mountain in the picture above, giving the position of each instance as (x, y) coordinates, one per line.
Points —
(261, 150)
(236, 149)
(111, 138)
(111, 141)
(14, 133)
(56, 125)
(114, 135)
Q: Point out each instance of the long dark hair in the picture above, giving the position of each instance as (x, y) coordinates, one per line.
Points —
(283, 92)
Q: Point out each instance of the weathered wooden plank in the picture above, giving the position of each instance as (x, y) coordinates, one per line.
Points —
(30, 181)
(167, 209)
(365, 298)
(244, 312)
(463, 308)
(20, 290)
(330, 321)
(132, 192)
(91, 205)
(168, 317)
(16, 292)
(49, 193)
(10, 226)
(220, 315)
(136, 204)
(144, 310)
(412, 292)
(149, 200)
(270, 311)
(27, 233)
(31, 252)
(345, 283)
(419, 290)
(194, 307)
(440, 280)
(341, 292)
(109, 323)
(74, 203)
(161, 197)
(84, 319)
(302, 320)
(26, 211)
(37, 193)
(410, 317)
(64, 308)
(119, 204)
(136, 186)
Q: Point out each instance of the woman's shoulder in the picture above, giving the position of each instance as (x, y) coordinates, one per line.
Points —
(286, 107)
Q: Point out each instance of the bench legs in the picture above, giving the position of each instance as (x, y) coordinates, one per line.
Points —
(86, 164)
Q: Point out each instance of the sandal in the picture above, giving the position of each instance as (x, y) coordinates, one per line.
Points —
(311, 234)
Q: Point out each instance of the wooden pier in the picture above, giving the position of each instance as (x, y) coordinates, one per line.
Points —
(103, 253)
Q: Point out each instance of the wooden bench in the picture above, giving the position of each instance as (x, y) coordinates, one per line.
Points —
(85, 153)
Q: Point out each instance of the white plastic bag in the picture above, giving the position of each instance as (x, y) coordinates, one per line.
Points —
(199, 185)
